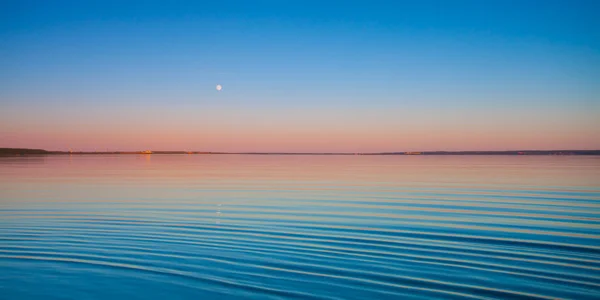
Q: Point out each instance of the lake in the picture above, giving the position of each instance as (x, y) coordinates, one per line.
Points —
(299, 227)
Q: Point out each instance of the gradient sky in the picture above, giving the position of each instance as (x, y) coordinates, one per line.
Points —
(350, 76)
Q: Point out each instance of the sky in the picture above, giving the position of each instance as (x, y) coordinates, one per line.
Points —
(300, 76)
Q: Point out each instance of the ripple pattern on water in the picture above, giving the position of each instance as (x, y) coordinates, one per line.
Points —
(181, 226)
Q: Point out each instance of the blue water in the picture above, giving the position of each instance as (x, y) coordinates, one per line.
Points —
(299, 227)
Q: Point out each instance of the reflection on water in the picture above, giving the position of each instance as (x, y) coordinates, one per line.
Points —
(325, 227)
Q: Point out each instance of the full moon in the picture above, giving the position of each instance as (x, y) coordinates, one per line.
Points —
(219, 87)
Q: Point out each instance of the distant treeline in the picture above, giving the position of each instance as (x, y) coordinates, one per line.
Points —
(23, 151)
(524, 152)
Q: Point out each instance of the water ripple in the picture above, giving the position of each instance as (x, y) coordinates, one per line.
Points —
(282, 228)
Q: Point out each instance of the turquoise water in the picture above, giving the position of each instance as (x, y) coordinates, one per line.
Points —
(299, 227)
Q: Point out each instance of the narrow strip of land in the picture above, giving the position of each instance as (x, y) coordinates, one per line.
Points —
(25, 151)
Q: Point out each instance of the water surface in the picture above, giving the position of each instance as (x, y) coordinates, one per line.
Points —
(299, 227)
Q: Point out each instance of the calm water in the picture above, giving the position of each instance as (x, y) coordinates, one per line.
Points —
(279, 227)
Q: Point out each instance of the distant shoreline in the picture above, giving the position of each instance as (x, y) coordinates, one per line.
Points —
(25, 151)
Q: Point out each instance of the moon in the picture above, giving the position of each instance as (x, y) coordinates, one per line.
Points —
(219, 87)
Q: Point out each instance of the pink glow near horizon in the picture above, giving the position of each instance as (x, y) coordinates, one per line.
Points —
(290, 140)
(287, 130)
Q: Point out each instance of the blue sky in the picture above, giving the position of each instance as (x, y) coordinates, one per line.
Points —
(332, 64)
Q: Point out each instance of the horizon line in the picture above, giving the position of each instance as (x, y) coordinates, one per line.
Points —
(18, 151)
